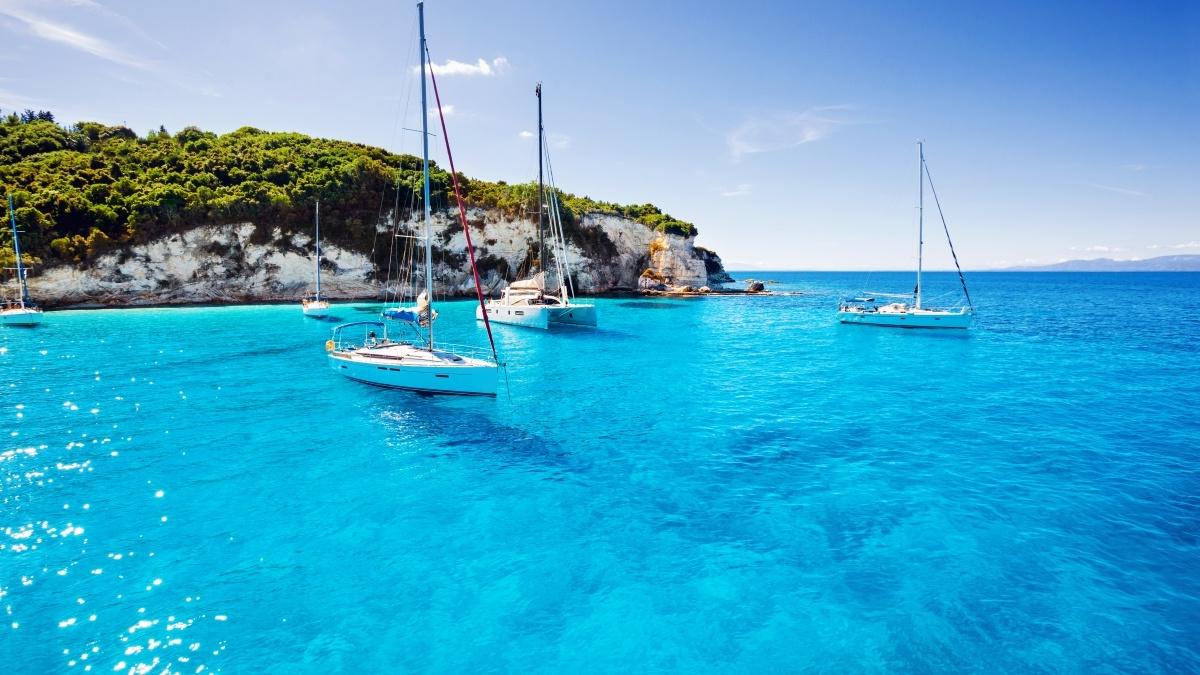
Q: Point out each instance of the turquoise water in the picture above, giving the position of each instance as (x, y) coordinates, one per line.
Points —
(722, 484)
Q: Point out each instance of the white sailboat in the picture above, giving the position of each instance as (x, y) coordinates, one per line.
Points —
(366, 351)
(22, 311)
(526, 302)
(314, 305)
(892, 311)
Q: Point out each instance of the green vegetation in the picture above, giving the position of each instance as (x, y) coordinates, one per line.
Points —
(88, 188)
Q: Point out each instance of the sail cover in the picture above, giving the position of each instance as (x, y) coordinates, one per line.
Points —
(419, 314)
(535, 283)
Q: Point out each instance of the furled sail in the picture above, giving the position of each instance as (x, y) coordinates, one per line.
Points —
(535, 283)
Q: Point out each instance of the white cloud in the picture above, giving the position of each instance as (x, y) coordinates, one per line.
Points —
(784, 130)
(559, 141)
(741, 190)
(1119, 190)
(1097, 249)
(447, 110)
(526, 135)
(62, 34)
(496, 66)
(1137, 168)
(1176, 247)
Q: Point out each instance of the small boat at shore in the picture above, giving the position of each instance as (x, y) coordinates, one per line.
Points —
(21, 311)
(372, 353)
(526, 302)
(314, 305)
(890, 309)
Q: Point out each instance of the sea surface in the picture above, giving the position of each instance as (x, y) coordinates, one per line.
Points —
(731, 484)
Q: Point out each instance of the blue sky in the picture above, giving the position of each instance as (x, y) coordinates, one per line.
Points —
(785, 131)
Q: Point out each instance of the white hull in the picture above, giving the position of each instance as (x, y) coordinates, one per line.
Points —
(911, 318)
(402, 366)
(539, 316)
(20, 317)
(317, 310)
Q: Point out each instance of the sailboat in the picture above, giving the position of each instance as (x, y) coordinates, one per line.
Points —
(892, 311)
(20, 312)
(526, 302)
(366, 351)
(314, 305)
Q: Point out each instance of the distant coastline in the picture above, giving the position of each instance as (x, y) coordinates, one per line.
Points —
(1165, 263)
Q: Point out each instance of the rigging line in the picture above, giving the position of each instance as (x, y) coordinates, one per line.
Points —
(946, 228)
(462, 210)
(564, 266)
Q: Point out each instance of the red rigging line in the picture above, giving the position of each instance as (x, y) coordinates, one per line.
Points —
(462, 209)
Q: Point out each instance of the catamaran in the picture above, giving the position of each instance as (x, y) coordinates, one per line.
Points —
(892, 311)
(526, 302)
(366, 351)
(314, 305)
(22, 311)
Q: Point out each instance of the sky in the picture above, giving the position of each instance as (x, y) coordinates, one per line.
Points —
(786, 131)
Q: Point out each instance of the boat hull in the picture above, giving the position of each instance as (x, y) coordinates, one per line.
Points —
(574, 315)
(317, 310)
(913, 319)
(468, 377)
(21, 317)
(539, 316)
(529, 316)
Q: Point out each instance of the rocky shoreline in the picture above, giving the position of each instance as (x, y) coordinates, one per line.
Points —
(242, 263)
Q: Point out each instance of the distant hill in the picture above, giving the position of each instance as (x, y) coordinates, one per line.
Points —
(1164, 263)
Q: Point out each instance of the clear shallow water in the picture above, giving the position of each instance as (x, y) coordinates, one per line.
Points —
(729, 484)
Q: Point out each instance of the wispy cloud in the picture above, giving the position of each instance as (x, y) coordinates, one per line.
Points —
(741, 190)
(1136, 168)
(1176, 247)
(447, 109)
(526, 135)
(559, 141)
(10, 100)
(71, 37)
(116, 16)
(785, 130)
(1096, 248)
(483, 67)
(1119, 190)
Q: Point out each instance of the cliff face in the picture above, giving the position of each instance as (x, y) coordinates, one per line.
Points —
(246, 262)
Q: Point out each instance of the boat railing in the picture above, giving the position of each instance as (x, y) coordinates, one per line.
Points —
(372, 332)
(468, 351)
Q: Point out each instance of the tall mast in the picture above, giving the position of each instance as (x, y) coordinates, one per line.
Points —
(318, 217)
(425, 171)
(920, 219)
(541, 190)
(12, 219)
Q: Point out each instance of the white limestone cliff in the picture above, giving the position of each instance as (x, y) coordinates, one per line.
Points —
(228, 263)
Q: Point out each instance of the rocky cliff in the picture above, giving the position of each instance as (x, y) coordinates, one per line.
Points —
(246, 262)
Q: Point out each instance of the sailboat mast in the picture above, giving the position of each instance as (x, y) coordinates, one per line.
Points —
(12, 219)
(425, 173)
(318, 219)
(541, 189)
(920, 219)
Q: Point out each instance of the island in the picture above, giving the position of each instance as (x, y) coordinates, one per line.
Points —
(111, 218)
